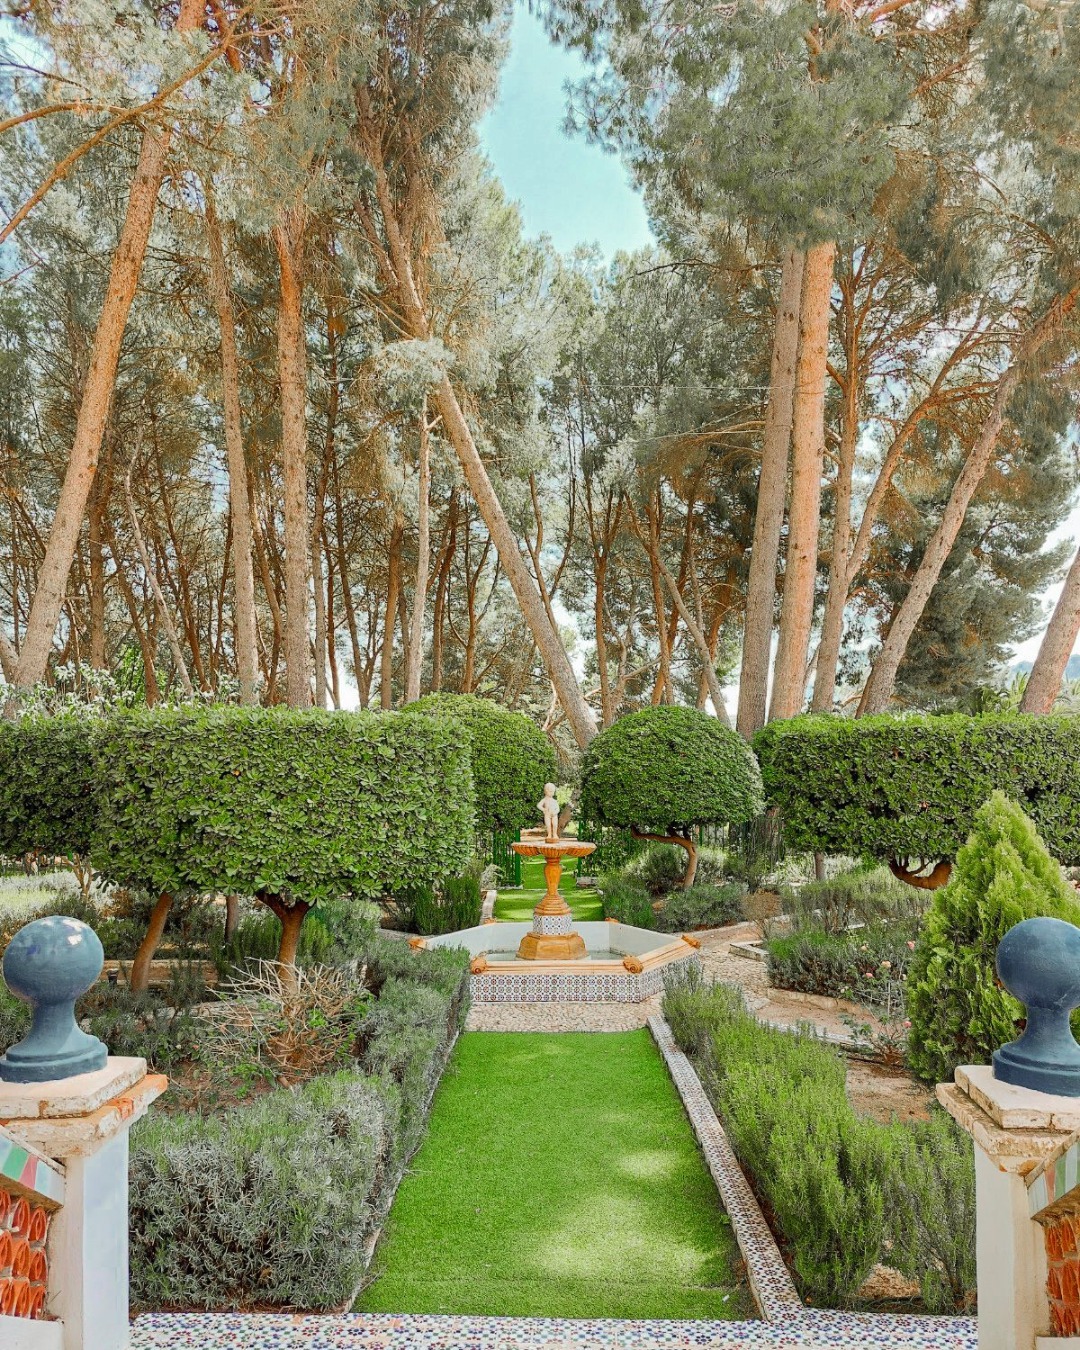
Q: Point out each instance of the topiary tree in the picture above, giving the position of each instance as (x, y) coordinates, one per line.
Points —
(959, 1012)
(294, 808)
(512, 759)
(662, 771)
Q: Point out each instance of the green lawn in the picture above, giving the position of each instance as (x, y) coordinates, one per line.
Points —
(559, 1178)
(518, 905)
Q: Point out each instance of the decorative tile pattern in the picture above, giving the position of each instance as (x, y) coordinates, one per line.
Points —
(384, 1331)
(578, 986)
(32, 1174)
(553, 925)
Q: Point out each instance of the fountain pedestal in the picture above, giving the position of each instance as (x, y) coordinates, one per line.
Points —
(552, 937)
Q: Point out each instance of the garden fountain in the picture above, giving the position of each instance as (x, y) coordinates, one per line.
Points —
(552, 958)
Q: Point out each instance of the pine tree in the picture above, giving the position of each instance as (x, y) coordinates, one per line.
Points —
(959, 1012)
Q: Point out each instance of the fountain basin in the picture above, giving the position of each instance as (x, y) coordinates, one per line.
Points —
(621, 964)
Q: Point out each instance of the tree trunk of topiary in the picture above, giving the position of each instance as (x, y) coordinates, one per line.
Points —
(682, 841)
(232, 917)
(292, 919)
(919, 877)
(139, 975)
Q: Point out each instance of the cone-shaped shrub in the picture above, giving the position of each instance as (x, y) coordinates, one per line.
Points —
(959, 1012)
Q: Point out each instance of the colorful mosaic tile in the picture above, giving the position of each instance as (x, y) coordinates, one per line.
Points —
(30, 1171)
(576, 987)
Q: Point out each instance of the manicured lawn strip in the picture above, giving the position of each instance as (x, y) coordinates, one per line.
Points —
(559, 1178)
(518, 905)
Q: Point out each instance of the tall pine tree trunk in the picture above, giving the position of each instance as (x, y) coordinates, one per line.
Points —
(423, 563)
(244, 623)
(292, 376)
(808, 452)
(879, 687)
(1056, 647)
(832, 623)
(393, 584)
(772, 489)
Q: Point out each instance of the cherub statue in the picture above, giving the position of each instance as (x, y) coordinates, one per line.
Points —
(549, 809)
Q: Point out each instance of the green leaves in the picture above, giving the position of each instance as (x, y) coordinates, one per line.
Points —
(666, 769)
(307, 806)
(909, 787)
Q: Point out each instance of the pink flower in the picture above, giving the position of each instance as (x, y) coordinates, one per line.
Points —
(886, 965)
(911, 946)
(907, 1024)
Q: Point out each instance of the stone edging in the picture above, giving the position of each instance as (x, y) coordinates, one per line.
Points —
(770, 1281)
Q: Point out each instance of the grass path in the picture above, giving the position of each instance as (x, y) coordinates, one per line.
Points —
(518, 905)
(559, 1178)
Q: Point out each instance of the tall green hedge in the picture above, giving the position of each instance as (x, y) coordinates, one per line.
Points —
(302, 806)
(909, 787)
(47, 785)
(512, 759)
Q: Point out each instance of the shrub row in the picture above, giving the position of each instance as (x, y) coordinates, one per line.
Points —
(273, 1203)
(909, 787)
(844, 1192)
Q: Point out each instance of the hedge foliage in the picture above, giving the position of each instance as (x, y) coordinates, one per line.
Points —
(667, 769)
(844, 1191)
(959, 1012)
(274, 1202)
(512, 759)
(909, 787)
(304, 806)
(47, 785)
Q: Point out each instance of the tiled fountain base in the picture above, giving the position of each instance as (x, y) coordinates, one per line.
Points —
(787, 1324)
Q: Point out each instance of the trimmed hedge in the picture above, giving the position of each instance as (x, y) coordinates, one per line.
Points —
(512, 759)
(909, 787)
(47, 785)
(273, 1203)
(304, 806)
(667, 769)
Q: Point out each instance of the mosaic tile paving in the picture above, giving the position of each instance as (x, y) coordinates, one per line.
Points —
(383, 1331)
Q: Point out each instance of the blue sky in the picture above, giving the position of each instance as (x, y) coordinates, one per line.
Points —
(568, 189)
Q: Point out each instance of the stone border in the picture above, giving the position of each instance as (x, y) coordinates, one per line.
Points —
(769, 1278)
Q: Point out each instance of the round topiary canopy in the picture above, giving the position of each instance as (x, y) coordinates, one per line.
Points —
(667, 769)
(512, 759)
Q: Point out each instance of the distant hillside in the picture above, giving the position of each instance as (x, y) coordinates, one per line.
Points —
(1072, 670)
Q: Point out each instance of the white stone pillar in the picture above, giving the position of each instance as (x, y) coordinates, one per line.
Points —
(83, 1122)
(1014, 1130)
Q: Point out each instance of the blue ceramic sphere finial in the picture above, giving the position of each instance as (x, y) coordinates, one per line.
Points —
(49, 964)
(1039, 963)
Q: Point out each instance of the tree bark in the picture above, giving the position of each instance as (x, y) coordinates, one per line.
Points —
(808, 451)
(393, 582)
(244, 623)
(832, 623)
(423, 564)
(292, 921)
(292, 375)
(683, 841)
(97, 391)
(1044, 682)
(155, 586)
(97, 577)
(772, 488)
(879, 686)
(139, 975)
(663, 690)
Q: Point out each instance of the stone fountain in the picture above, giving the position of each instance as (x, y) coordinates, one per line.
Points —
(553, 937)
(552, 958)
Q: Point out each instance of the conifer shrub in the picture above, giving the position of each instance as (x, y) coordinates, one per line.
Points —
(626, 900)
(455, 905)
(511, 758)
(960, 1013)
(702, 906)
(662, 771)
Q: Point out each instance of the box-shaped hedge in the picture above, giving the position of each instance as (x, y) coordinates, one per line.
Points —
(47, 785)
(303, 806)
(909, 787)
